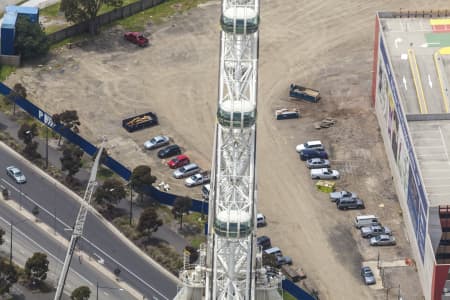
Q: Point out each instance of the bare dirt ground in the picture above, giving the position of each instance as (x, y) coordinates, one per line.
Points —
(326, 45)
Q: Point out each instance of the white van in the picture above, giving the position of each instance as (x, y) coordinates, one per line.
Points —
(366, 220)
(274, 250)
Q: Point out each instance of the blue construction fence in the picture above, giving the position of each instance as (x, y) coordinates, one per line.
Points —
(115, 166)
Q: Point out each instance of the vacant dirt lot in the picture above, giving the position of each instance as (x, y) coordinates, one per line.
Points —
(323, 44)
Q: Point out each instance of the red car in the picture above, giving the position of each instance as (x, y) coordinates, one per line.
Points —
(136, 38)
(178, 161)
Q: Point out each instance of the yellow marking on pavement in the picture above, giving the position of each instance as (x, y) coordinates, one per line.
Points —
(442, 81)
(434, 22)
(444, 51)
(417, 81)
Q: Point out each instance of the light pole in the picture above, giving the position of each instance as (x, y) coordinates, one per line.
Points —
(11, 224)
(106, 288)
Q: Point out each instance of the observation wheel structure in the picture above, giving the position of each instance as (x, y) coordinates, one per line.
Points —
(230, 265)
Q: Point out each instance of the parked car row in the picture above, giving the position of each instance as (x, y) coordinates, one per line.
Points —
(181, 162)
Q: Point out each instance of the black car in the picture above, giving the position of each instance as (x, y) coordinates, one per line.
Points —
(264, 242)
(349, 203)
(169, 151)
(306, 154)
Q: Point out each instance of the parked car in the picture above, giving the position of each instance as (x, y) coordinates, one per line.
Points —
(136, 38)
(186, 171)
(350, 203)
(197, 179)
(264, 242)
(317, 163)
(287, 113)
(206, 189)
(367, 275)
(371, 231)
(334, 196)
(16, 174)
(310, 145)
(382, 240)
(178, 161)
(313, 153)
(169, 151)
(283, 260)
(260, 220)
(324, 173)
(156, 142)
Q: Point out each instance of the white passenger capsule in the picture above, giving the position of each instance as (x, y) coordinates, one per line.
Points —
(246, 17)
(233, 224)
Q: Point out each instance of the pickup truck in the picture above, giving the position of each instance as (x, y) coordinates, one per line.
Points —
(300, 92)
(197, 179)
(287, 113)
(324, 173)
(336, 196)
(375, 230)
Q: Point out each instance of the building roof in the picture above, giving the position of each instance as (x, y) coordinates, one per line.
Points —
(419, 52)
(9, 20)
(28, 10)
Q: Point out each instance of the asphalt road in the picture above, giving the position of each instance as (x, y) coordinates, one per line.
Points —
(36, 240)
(98, 241)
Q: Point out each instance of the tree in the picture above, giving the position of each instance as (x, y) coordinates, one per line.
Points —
(78, 11)
(181, 206)
(68, 119)
(149, 222)
(8, 276)
(71, 160)
(18, 91)
(27, 133)
(31, 40)
(36, 268)
(2, 233)
(110, 192)
(140, 177)
(81, 293)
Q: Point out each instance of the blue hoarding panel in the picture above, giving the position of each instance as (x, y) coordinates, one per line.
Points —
(417, 196)
(7, 41)
(295, 290)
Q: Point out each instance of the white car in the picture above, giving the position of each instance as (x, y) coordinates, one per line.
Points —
(156, 142)
(317, 145)
(186, 171)
(324, 173)
(197, 179)
(16, 174)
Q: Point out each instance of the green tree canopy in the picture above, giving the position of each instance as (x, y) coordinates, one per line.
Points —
(110, 192)
(17, 91)
(140, 177)
(36, 268)
(81, 293)
(27, 133)
(69, 120)
(149, 222)
(71, 159)
(181, 206)
(31, 40)
(85, 10)
(8, 276)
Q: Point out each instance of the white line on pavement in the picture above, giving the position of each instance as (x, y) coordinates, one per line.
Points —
(86, 240)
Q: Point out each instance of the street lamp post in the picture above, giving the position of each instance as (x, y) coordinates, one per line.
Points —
(11, 224)
(105, 288)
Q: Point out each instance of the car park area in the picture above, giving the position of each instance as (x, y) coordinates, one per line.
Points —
(176, 78)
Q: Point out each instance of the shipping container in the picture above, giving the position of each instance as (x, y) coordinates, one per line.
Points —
(32, 13)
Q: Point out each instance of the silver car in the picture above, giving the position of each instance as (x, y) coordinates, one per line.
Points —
(367, 275)
(16, 174)
(156, 142)
(382, 240)
(324, 173)
(317, 163)
(186, 171)
(336, 196)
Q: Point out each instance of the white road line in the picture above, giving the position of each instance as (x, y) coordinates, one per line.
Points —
(89, 242)
(42, 248)
(404, 83)
(429, 81)
(443, 142)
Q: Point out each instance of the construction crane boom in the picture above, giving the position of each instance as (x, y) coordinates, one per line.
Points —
(79, 225)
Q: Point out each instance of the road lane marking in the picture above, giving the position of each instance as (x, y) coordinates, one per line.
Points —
(429, 81)
(404, 83)
(88, 241)
(417, 81)
(42, 248)
(442, 79)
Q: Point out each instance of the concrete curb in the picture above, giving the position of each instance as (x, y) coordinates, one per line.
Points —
(93, 211)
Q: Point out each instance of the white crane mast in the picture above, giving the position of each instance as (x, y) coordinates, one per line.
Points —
(231, 266)
(79, 225)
